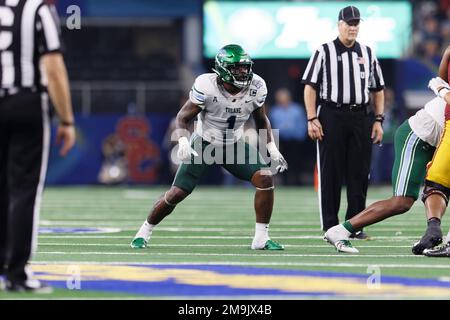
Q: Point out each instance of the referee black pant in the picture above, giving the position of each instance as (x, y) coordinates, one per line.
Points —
(344, 154)
(24, 145)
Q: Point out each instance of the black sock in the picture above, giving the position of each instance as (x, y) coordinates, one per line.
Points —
(434, 222)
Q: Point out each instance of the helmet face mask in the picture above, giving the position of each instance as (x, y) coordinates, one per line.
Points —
(234, 66)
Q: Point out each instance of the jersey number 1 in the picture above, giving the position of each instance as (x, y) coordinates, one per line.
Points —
(231, 121)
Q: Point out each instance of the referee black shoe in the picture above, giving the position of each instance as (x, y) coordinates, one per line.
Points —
(440, 251)
(31, 286)
(360, 235)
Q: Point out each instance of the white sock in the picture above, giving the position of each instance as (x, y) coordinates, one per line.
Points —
(447, 239)
(261, 235)
(145, 231)
(343, 231)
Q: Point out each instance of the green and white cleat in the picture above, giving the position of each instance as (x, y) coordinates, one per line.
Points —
(138, 243)
(345, 246)
(337, 236)
(269, 245)
(272, 245)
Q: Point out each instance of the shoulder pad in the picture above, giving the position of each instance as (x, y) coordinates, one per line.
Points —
(202, 88)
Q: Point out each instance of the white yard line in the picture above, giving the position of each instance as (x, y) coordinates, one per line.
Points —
(384, 238)
(198, 245)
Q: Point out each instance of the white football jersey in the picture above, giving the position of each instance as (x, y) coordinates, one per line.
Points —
(223, 115)
(428, 122)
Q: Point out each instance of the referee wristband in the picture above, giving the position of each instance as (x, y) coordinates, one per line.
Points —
(379, 118)
(312, 119)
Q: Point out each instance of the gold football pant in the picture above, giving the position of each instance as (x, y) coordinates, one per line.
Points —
(439, 167)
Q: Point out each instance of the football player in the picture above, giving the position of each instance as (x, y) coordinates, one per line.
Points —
(415, 143)
(437, 183)
(222, 102)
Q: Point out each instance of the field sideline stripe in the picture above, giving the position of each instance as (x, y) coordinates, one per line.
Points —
(256, 254)
(245, 263)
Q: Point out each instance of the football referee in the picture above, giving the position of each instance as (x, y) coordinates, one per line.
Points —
(341, 74)
(31, 65)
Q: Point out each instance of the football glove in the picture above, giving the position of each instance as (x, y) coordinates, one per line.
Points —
(275, 155)
(439, 87)
(184, 150)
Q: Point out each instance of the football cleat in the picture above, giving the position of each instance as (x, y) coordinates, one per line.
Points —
(269, 245)
(430, 239)
(344, 246)
(440, 251)
(138, 243)
(338, 237)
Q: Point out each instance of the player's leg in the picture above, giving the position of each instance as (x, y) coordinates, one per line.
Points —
(411, 157)
(185, 181)
(264, 197)
(161, 209)
(251, 168)
(435, 197)
(436, 194)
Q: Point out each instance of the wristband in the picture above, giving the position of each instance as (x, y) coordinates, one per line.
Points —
(312, 119)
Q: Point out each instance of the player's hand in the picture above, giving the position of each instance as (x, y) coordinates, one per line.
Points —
(275, 155)
(315, 130)
(66, 135)
(377, 132)
(439, 87)
(184, 150)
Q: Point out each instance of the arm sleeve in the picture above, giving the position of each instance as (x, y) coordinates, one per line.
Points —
(197, 95)
(314, 68)
(47, 31)
(376, 81)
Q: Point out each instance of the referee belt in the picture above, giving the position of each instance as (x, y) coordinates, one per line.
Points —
(344, 106)
(6, 92)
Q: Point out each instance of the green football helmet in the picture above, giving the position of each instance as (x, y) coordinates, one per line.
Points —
(234, 66)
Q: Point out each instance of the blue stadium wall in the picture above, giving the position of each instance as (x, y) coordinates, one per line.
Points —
(143, 139)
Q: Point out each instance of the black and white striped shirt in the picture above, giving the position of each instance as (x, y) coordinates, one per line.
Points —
(28, 30)
(344, 75)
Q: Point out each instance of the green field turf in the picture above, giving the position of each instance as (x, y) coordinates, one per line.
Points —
(215, 226)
